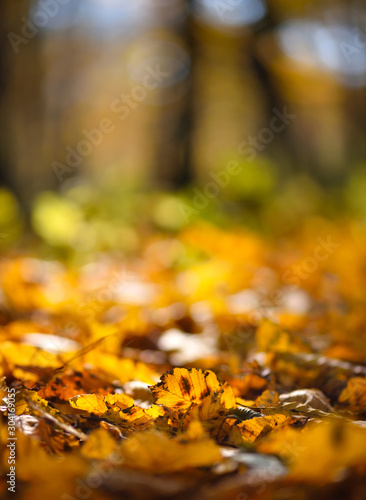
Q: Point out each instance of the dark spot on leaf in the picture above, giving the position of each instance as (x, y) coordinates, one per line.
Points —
(186, 389)
(205, 393)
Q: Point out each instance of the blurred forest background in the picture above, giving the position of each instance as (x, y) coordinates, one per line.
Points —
(181, 89)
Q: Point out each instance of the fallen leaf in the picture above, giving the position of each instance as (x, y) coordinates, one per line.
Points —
(354, 395)
(154, 451)
(182, 387)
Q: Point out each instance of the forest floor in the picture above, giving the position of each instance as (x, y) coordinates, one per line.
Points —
(212, 364)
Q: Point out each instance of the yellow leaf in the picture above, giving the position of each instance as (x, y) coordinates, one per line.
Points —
(122, 369)
(210, 408)
(319, 453)
(328, 449)
(32, 397)
(121, 400)
(271, 337)
(195, 432)
(155, 411)
(27, 355)
(267, 398)
(99, 445)
(154, 451)
(91, 403)
(94, 403)
(354, 394)
(251, 429)
(228, 396)
(259, 426)
(182, 387)
(132, 418)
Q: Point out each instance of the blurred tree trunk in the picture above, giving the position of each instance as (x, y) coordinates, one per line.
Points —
(186, 175)
(172, 163)
(21, 105)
